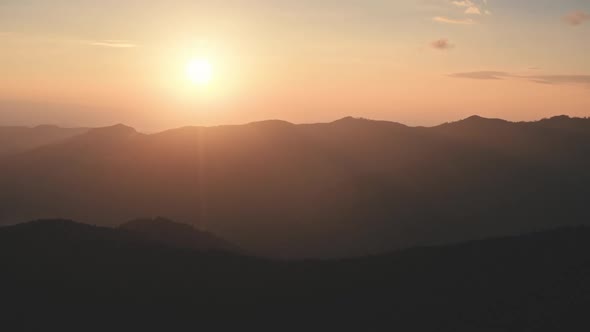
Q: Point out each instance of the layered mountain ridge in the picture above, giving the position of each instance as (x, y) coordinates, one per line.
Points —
(347, 188)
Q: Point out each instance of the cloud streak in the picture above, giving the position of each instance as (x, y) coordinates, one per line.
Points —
(110, 43)
(483, 75)
(447, 20)
(561, 79)
(541, 79)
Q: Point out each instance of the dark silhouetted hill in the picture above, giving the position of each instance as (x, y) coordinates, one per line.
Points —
(68, 275)
(68, 236)
(347, 188)
(165, 231)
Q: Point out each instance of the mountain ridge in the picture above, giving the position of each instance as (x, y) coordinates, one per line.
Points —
(347, 119)
(143, 232)
(324, 190)
(477, 286)
(182, 235)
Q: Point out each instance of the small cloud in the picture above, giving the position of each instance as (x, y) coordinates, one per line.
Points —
(483, 75)
(470, 7)
(110, 43)
(466, 3)
(473, 7)
(576, 18)
(473, 11)
(446, 20)
(442, 44)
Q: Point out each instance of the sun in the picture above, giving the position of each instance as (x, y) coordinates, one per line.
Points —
(199, 71)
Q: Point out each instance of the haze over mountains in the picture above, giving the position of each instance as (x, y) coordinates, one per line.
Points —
(19, 139)
(346, 188)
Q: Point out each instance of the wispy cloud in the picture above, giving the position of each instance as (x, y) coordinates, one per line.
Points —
(576, 18)
(111, 43)
(442, 44)
(561, 79)
(541, 79)
(483, 75)
(447, 20)
(473, 11)
(470, 7)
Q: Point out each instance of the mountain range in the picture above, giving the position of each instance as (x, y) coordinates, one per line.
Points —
(348, 188)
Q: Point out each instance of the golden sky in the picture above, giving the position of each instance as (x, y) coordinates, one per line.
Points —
(419, 62)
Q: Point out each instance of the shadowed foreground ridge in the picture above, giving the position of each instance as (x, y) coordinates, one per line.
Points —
(109, 279)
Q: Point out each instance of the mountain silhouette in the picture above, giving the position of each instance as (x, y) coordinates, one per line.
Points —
(118, 131)
(165, 231)
(67, 274)
(342, 189)
(67, 236)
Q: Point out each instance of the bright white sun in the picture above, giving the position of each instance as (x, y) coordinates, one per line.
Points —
(199, 71)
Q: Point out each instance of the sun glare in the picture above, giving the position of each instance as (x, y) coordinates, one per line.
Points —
(199, 71)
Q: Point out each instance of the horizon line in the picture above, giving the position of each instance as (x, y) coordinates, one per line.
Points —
(346, 118)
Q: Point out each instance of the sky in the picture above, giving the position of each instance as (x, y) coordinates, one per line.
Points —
(418, 62)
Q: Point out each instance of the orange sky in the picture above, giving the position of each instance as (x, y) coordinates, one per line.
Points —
(420, 62)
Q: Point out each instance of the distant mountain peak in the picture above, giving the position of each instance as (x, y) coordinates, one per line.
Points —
(559, 118)
(117, 128)
(478, 118)
(565, 122)
(475, 118)
(352, 119)
(359, 122)
(115, 132)
(56, 226)
(475, 121)
(271, 123)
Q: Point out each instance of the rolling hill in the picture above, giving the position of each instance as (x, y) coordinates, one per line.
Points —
(68, 276)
